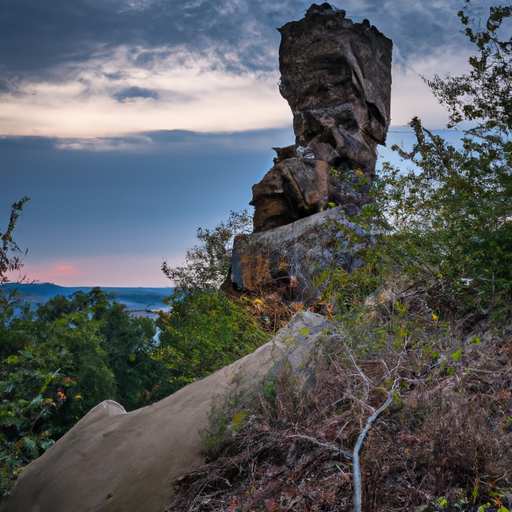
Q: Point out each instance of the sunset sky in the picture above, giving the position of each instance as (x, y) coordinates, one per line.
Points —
(131, 123)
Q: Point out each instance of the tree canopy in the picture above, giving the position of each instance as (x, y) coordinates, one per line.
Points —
(450, 217)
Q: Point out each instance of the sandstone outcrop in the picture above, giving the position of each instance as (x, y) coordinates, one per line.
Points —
(113, 461)
(295, 255)
(336, 77)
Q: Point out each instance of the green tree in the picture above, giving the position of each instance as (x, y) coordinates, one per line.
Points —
(202, 333)
(450, 218)
(204, 329)
(11, 260)
(207, 264)
(484, 94)
(60, 361)
(51, 374)
(128, 342)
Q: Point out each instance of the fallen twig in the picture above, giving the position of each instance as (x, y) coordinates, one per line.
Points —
(331, 447)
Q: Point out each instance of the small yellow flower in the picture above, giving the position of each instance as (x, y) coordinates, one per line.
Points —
(434, 316)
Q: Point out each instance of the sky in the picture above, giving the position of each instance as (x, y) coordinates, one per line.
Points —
(131, 123)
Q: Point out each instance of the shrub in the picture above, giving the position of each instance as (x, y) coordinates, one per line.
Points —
(203, 332)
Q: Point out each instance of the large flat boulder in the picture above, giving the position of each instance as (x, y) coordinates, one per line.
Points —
(114, 461)
(296, 255)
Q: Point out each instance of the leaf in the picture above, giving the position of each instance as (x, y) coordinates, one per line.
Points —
(456, 355)
(238, 421)
(402, 308)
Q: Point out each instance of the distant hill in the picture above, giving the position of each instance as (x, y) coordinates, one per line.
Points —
(135, 299)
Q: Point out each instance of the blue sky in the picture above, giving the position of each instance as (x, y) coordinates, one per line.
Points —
(131, 123)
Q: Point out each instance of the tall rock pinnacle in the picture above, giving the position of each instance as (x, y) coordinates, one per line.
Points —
(336, 77)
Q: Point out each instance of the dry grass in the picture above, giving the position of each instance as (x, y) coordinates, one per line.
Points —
(444, 444)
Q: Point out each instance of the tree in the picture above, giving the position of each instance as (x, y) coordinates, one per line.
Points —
(127, 342)
(60, 361)
(485, 93)
(202, 333)
(450, 219)
(204, 329)
(207, 264)
(11, 260)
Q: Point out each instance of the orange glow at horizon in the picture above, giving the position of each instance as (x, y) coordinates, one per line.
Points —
(103, 271)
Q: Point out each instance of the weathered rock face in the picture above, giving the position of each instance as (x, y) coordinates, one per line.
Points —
(295, 255)
(336, 72)
(113, 461)
(291, 190)
(336, 77)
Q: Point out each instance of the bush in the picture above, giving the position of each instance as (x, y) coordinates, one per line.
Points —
(203, 332)
(207, 264)
(446, 223)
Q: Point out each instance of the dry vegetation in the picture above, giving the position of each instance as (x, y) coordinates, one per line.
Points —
(445, 442)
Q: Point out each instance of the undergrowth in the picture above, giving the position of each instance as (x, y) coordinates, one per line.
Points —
(445, 443)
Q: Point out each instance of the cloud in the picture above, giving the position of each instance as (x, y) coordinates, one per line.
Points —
(101, 270)
(36, 38)
(181, 142)
(182, 90)
(97, 69)
(135, 92)
(57, 271)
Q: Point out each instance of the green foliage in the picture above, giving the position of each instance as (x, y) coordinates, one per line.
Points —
(485, 93)
(128, 342)
(207, 264)
(62, 360)
(57, 373)
(10, 259)
(225, 421)
(451, 217)
(448, 220)
(203, 332)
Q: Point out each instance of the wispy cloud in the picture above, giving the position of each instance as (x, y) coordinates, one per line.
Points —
(133, 89)
(96, 69)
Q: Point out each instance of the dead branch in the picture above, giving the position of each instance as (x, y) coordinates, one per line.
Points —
(356, 465)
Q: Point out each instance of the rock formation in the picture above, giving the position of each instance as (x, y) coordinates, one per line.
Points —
(295, 255)
(336, 77)
(114, 461)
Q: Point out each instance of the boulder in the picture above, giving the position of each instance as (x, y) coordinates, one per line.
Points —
(296, 255)
(336, 77)
(114, 461)
(291, 190)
